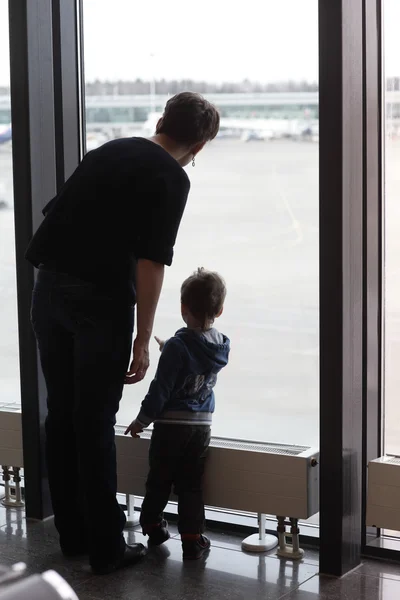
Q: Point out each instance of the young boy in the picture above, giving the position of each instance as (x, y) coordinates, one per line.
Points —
(180, 402)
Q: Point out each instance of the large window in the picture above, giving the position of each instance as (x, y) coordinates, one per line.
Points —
(253, 208)
(9, 362)
(392, 226)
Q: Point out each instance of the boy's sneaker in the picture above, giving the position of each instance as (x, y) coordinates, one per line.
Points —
(193, 549)
(158, 534)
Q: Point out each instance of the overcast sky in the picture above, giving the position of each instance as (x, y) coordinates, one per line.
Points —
(262, 40)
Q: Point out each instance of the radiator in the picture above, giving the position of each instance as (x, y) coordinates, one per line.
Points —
(10, 439)
(240, 475)
(383, 502)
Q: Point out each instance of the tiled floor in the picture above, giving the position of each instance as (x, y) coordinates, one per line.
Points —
(227, 573)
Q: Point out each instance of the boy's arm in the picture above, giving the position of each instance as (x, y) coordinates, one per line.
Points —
(163, 383)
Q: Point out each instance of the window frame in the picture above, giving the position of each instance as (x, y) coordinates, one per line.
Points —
(47, 98)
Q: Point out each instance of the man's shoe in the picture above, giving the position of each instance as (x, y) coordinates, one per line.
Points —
(193, 549)
(132, 554)
(158, 534)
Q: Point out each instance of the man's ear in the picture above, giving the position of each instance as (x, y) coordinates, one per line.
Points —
(197, 148)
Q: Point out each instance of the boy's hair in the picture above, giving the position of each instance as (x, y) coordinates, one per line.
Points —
(203, 293)
(189, 119)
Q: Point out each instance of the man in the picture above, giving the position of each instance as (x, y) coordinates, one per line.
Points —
(100, 251)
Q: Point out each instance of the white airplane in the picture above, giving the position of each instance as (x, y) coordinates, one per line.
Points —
(268, 129)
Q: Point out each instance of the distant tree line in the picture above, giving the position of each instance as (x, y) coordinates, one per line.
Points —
(170, 87)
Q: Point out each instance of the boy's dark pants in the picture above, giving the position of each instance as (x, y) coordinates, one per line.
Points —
(177, 458)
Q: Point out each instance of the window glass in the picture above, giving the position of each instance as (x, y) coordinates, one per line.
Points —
(9, 358)
(252, 213)
(392, 225)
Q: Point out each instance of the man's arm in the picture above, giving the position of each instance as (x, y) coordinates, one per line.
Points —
(149, 280)
(159, 226)
(160, 389)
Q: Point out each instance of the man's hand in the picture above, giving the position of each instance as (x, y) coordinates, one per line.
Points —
(134, 429)
(161, 343)
(140, 362)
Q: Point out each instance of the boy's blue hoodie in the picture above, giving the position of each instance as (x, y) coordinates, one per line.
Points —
(182, 389)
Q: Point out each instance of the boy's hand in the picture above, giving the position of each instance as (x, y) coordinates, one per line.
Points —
(161, 343)
(134, 429)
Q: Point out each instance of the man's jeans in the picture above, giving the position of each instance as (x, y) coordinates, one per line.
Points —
(85, 342)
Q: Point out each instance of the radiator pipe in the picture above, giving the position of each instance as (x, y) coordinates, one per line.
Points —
(261, 527)
(294, 530)
(132, 514)
(18, 491)
(6, 479)
(281, 533)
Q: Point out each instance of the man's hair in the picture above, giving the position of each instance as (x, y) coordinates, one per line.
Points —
(189, 119)
(203, 293)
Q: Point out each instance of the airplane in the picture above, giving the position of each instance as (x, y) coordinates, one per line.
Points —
(5, 133)
(254, 129)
